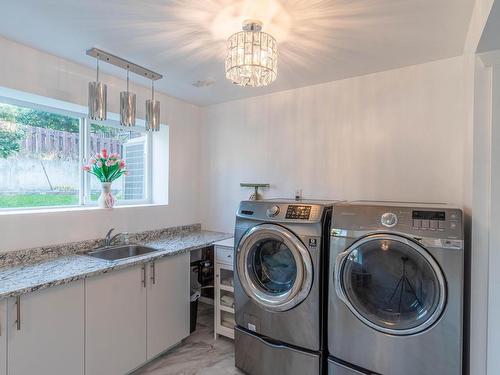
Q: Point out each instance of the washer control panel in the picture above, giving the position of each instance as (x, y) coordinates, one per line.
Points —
(284, 210)
(298, 212)
(432, 220)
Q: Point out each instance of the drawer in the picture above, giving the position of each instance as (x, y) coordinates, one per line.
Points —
(256, 355)
(224, 254)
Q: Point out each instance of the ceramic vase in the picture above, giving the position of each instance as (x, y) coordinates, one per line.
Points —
(106, 199)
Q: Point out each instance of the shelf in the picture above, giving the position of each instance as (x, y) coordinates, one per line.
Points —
(227, 288)
(225, 331)
(226, 309)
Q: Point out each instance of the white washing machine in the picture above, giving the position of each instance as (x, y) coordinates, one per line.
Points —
(280, 247)
(396, 285)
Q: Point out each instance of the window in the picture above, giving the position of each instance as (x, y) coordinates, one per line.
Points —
(42, 153)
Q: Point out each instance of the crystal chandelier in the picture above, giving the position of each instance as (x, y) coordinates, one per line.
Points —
(252, 58)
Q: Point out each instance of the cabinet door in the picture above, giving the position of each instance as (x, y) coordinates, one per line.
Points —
(3, 337)
(115, 322)
(168, 303)
(49, 337)
(224, 301)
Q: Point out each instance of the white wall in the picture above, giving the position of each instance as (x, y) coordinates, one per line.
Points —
(395, 135)
(33, 71)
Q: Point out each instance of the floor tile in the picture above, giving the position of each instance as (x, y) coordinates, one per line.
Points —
(199, 354)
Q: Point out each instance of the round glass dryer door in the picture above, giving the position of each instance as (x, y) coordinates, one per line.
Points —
(391, 283)
(274, 267)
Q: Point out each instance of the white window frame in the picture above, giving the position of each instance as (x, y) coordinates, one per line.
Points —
(77, 111)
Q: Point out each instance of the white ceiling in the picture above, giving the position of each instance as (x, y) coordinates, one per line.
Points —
(318, 40)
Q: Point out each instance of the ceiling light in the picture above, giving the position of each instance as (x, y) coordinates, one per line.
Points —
(97, 98)
(152, 111)
(251, 58)
(127, 105)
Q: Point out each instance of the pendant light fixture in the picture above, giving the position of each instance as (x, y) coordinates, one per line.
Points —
(152, 111)
(97, 97)
(251, 58)
(97, 93)
(127, 105)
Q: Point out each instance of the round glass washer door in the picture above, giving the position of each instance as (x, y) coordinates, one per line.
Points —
(274, 267)
(391, 283)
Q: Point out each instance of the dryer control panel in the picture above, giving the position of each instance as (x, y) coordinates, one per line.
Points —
(418, 221)
(299, 212)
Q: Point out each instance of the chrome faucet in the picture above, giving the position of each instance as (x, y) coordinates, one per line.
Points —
(108, 240)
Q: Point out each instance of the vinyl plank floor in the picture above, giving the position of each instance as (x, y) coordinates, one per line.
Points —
(199, 354)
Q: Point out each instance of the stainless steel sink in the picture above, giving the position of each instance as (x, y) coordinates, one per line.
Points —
(120, 252)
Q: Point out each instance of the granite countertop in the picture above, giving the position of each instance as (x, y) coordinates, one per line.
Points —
(27, 277)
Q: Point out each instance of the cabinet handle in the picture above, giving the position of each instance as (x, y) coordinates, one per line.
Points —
(143, 275)
(153, 273)
(18, 313)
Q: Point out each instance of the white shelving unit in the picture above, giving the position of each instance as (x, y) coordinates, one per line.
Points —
(224, 289)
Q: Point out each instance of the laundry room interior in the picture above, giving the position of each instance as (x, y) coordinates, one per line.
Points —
(258, 187)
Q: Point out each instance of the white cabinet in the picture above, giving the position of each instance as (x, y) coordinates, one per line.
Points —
(106, 325)
(135, 314)
(3, 337)
(167, 303)
(224, 289)
(45, 331)
(115, 328)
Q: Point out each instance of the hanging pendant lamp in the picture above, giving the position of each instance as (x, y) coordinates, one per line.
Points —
(152, 111)
(127, 106)
(97, 98)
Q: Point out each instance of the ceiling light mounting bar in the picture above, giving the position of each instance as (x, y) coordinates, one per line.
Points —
(124, 64)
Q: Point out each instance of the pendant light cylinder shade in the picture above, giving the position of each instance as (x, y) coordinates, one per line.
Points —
(127, 108)
(97, 101)
(152, 115)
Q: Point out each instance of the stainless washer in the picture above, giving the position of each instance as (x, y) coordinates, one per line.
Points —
(395, 289)
(280, 245)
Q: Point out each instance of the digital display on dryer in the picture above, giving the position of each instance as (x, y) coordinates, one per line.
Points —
(298, 212)
(429, 215)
